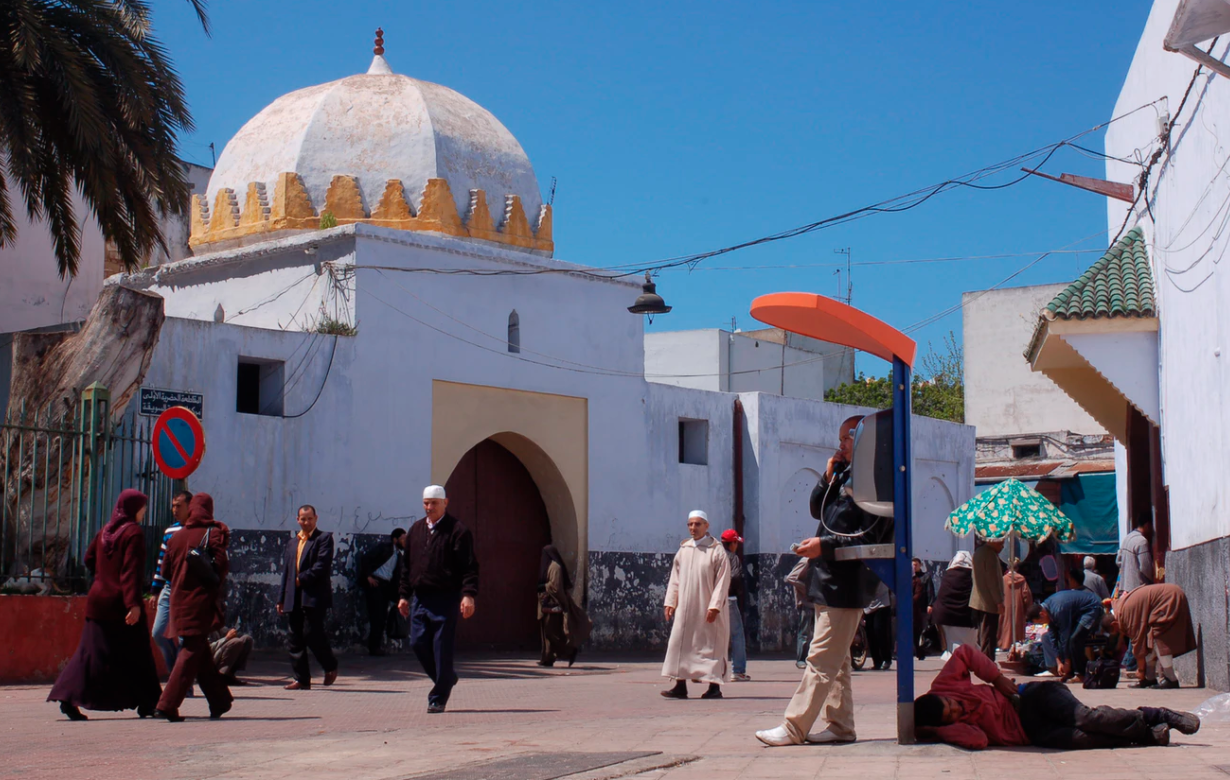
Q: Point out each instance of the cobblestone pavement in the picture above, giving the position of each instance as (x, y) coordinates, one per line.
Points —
(373, 724)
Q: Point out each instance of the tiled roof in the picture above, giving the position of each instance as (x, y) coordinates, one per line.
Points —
(1120, 284)
(1017, 470)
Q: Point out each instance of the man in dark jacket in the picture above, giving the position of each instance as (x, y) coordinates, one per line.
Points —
(307, 592)
(1072, 616)
(380, 578)
(439, 581)
(840, 591)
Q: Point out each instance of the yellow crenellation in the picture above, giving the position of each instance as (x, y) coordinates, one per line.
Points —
(291, 209)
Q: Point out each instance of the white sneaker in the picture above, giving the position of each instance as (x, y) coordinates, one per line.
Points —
(777, 737)
(826, 737)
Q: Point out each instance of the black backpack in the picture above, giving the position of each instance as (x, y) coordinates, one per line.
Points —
(1102, 673)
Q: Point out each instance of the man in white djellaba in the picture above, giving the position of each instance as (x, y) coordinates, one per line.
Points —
(699, 646)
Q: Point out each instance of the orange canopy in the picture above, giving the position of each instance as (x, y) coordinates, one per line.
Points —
(828, 320)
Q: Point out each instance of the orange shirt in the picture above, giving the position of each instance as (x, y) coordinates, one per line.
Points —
(303, 539)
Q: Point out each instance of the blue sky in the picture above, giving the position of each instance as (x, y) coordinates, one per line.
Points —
(683, 127)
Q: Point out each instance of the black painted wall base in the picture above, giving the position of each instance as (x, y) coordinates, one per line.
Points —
(626, 594)
(257, 559)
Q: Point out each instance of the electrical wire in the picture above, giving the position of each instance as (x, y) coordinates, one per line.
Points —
(934, 318)
(328, 370)
(957, 259)
(893, 205)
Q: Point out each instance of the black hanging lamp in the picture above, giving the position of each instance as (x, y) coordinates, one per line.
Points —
(649, 302)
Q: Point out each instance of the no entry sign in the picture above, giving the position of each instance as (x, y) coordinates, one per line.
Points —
(179, 442)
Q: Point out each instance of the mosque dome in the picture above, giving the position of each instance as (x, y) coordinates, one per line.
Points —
(379, 148)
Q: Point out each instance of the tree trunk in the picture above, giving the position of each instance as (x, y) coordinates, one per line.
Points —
(113, 348)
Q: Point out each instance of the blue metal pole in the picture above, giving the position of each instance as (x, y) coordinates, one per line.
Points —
(902, 478)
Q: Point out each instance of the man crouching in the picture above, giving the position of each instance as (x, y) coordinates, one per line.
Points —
(1044, 714)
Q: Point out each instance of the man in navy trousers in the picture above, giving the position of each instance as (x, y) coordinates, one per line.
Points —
(439, 582)
(307, 592)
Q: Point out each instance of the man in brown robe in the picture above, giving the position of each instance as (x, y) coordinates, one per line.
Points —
(1158, 621)
(1017, 598)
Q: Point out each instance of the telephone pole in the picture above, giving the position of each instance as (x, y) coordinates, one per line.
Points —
(849, 281)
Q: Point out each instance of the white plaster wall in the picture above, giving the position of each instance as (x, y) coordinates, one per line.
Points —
(672, 489)
(363, 451)
(33, 295)
(794, 439)
(687, 358)
(1003, 396)
(1187, 239)
(714, 359)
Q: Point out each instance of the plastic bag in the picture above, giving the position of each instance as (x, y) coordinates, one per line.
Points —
(1215, 710)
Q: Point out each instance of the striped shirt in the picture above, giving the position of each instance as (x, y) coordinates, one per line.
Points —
(159, 578)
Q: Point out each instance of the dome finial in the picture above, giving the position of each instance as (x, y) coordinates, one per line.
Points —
(379, 67)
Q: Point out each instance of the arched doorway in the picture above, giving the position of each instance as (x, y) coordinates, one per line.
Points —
(491, 493)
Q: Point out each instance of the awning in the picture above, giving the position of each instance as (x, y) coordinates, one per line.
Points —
(1097, 339)
(1090, 502)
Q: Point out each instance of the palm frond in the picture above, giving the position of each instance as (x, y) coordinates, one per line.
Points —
(90, 107)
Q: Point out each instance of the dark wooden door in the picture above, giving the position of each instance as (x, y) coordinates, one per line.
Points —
(493, 495)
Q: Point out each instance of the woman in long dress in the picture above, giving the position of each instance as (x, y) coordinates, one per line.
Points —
(562, 623)
(951, 610)
(113, 668)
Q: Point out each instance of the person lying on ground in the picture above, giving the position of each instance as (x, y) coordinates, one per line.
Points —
(1046, 714)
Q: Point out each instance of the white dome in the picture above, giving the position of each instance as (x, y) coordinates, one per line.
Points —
(375, 127)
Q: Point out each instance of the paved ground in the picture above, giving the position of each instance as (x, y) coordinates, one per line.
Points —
(373, 724)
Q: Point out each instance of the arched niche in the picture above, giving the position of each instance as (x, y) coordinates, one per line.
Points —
(548, 433)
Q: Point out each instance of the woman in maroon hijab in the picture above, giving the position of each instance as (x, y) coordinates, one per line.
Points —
(196, 610)
(113, 668)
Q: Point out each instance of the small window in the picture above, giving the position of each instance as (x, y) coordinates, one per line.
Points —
(514, 333)
(1020, 451)
(694, 441)
(259, 386)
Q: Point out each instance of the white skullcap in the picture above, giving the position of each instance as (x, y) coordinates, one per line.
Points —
(1089, 562)
(698, 513)
(433, 491)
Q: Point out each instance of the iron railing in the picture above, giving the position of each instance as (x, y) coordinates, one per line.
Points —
(62, 474)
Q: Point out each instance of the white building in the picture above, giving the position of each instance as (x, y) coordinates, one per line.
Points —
(465, 355)
(1140, 339)
(768, 360)
(1027, 427)
(1003, 397)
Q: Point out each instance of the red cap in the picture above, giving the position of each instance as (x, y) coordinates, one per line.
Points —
(729, 535)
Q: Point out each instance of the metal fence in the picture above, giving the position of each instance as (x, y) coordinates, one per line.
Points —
(62, 474)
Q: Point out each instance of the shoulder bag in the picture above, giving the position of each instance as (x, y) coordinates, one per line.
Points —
(200, 563)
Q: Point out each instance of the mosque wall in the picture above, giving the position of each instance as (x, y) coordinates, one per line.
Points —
(357, 435)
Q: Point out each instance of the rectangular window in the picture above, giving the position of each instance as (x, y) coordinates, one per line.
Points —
(259, 386)
(1020, 451)
(693, 441)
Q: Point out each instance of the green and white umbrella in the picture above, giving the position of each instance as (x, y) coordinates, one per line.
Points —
(1011, 508)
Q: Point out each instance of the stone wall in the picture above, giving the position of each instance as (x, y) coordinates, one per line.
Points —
(1203, 572)
(626, 592)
